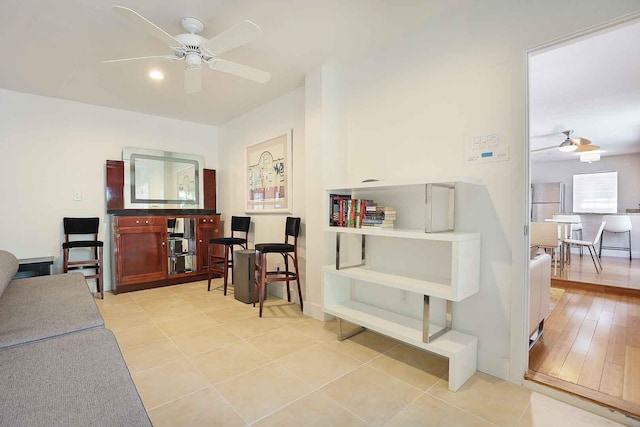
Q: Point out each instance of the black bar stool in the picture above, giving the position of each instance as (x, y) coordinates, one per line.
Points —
(287, 250)
(86, 226)
(221, 264)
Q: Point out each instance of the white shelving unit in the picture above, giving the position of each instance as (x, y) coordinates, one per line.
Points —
(341, 299)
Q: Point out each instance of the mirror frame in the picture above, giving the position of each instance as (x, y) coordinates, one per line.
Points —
(132, 167)
(129, 156)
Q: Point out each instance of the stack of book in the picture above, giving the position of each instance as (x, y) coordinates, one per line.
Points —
(379, 216)
(357, 213)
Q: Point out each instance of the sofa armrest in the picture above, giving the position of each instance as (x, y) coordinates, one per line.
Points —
(539, 290)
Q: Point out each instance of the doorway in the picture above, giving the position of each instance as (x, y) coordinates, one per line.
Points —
(585, 326)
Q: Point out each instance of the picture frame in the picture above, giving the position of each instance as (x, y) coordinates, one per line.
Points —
(268, 175)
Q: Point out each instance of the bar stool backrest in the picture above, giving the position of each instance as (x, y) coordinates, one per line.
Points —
(617, 223)
(599, 234)
(240, 224)
(578, 223)
(80, 226)
(292, 228)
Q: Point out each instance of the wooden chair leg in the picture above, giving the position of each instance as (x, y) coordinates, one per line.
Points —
(295, 265)
(65, 260)
(256, 272)
(286, 271)
(225, 275)
(209, 268)
(263, 279)
(231, 265)
(100, 278)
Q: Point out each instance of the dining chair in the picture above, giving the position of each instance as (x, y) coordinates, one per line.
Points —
(574, 230)
(83, 227)
(616, 224)
(289, 251)
(544, 235)
(591, 245)
(221, 264)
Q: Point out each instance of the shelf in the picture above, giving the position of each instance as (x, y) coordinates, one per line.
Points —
(357, 294)
(455, 236)
(406, 329)
(391, 184)
(423, 287)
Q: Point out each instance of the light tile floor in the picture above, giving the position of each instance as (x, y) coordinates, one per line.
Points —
(199, 358)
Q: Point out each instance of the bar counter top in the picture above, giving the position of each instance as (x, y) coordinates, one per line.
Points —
(176, 212)
(599, 213)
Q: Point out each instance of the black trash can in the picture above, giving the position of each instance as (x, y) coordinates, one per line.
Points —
(243, 269)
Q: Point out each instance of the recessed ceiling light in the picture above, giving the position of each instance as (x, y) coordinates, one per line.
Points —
(156, 75)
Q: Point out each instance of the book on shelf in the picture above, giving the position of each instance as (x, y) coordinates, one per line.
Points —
(357, 213)
(386, 226)
(336, 214)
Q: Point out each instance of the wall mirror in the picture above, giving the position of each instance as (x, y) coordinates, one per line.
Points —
(162, 179)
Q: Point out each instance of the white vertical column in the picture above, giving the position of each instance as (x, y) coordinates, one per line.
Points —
(326, 162)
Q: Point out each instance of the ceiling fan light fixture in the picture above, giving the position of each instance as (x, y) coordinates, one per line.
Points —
(590, 157)
(567, 146)
(156, 74)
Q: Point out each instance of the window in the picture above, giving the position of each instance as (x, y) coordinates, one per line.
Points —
(595, 192)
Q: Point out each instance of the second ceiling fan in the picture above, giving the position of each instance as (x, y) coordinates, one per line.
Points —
(572, 145)
(196, 50)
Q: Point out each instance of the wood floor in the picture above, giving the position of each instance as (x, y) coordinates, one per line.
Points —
(616, 271)
(591, 347)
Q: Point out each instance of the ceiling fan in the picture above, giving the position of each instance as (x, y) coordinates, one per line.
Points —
(572, 145)
(196, 50)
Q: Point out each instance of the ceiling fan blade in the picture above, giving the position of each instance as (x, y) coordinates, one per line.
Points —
(243, 33)
(240, 70)
(169, 57)
(144, 24)
(543, 149)
(192, 80)
(585, 148)
(581, 141)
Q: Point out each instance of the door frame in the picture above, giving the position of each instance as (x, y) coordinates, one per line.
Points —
(520, 329)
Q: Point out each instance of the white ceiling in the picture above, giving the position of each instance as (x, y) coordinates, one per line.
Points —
(55, 48)
(591, 86)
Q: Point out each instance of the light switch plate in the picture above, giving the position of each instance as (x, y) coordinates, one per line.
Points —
(77, 196)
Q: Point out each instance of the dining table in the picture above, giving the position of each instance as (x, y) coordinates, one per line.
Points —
(564, 232)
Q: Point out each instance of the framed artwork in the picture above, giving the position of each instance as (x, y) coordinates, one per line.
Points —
(268, 176)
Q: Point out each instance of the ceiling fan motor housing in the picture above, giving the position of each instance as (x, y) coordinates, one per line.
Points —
(193, 60)
(192, 25)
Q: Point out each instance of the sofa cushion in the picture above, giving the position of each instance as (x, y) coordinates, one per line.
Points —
(8, 269)
(45, 306)
(78, 379)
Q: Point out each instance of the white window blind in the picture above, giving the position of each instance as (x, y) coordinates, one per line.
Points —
(595, 192)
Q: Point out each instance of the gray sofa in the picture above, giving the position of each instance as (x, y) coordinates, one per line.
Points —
(59, 366)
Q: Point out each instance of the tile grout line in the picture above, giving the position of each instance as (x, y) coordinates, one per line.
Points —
(276, 361)
(460, 408)
(204, 378)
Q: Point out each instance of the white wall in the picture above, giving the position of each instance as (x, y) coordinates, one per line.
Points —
(263, 123)
(52, 148)
(409, 110)
(627, 166)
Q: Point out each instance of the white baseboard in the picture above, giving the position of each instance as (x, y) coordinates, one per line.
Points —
(492, 365)
(314, 310)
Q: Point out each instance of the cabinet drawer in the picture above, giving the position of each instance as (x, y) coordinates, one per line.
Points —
(140, 221)
(213, 219)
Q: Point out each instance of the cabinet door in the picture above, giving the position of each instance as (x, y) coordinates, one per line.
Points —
(208, 227)
(141, 254)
